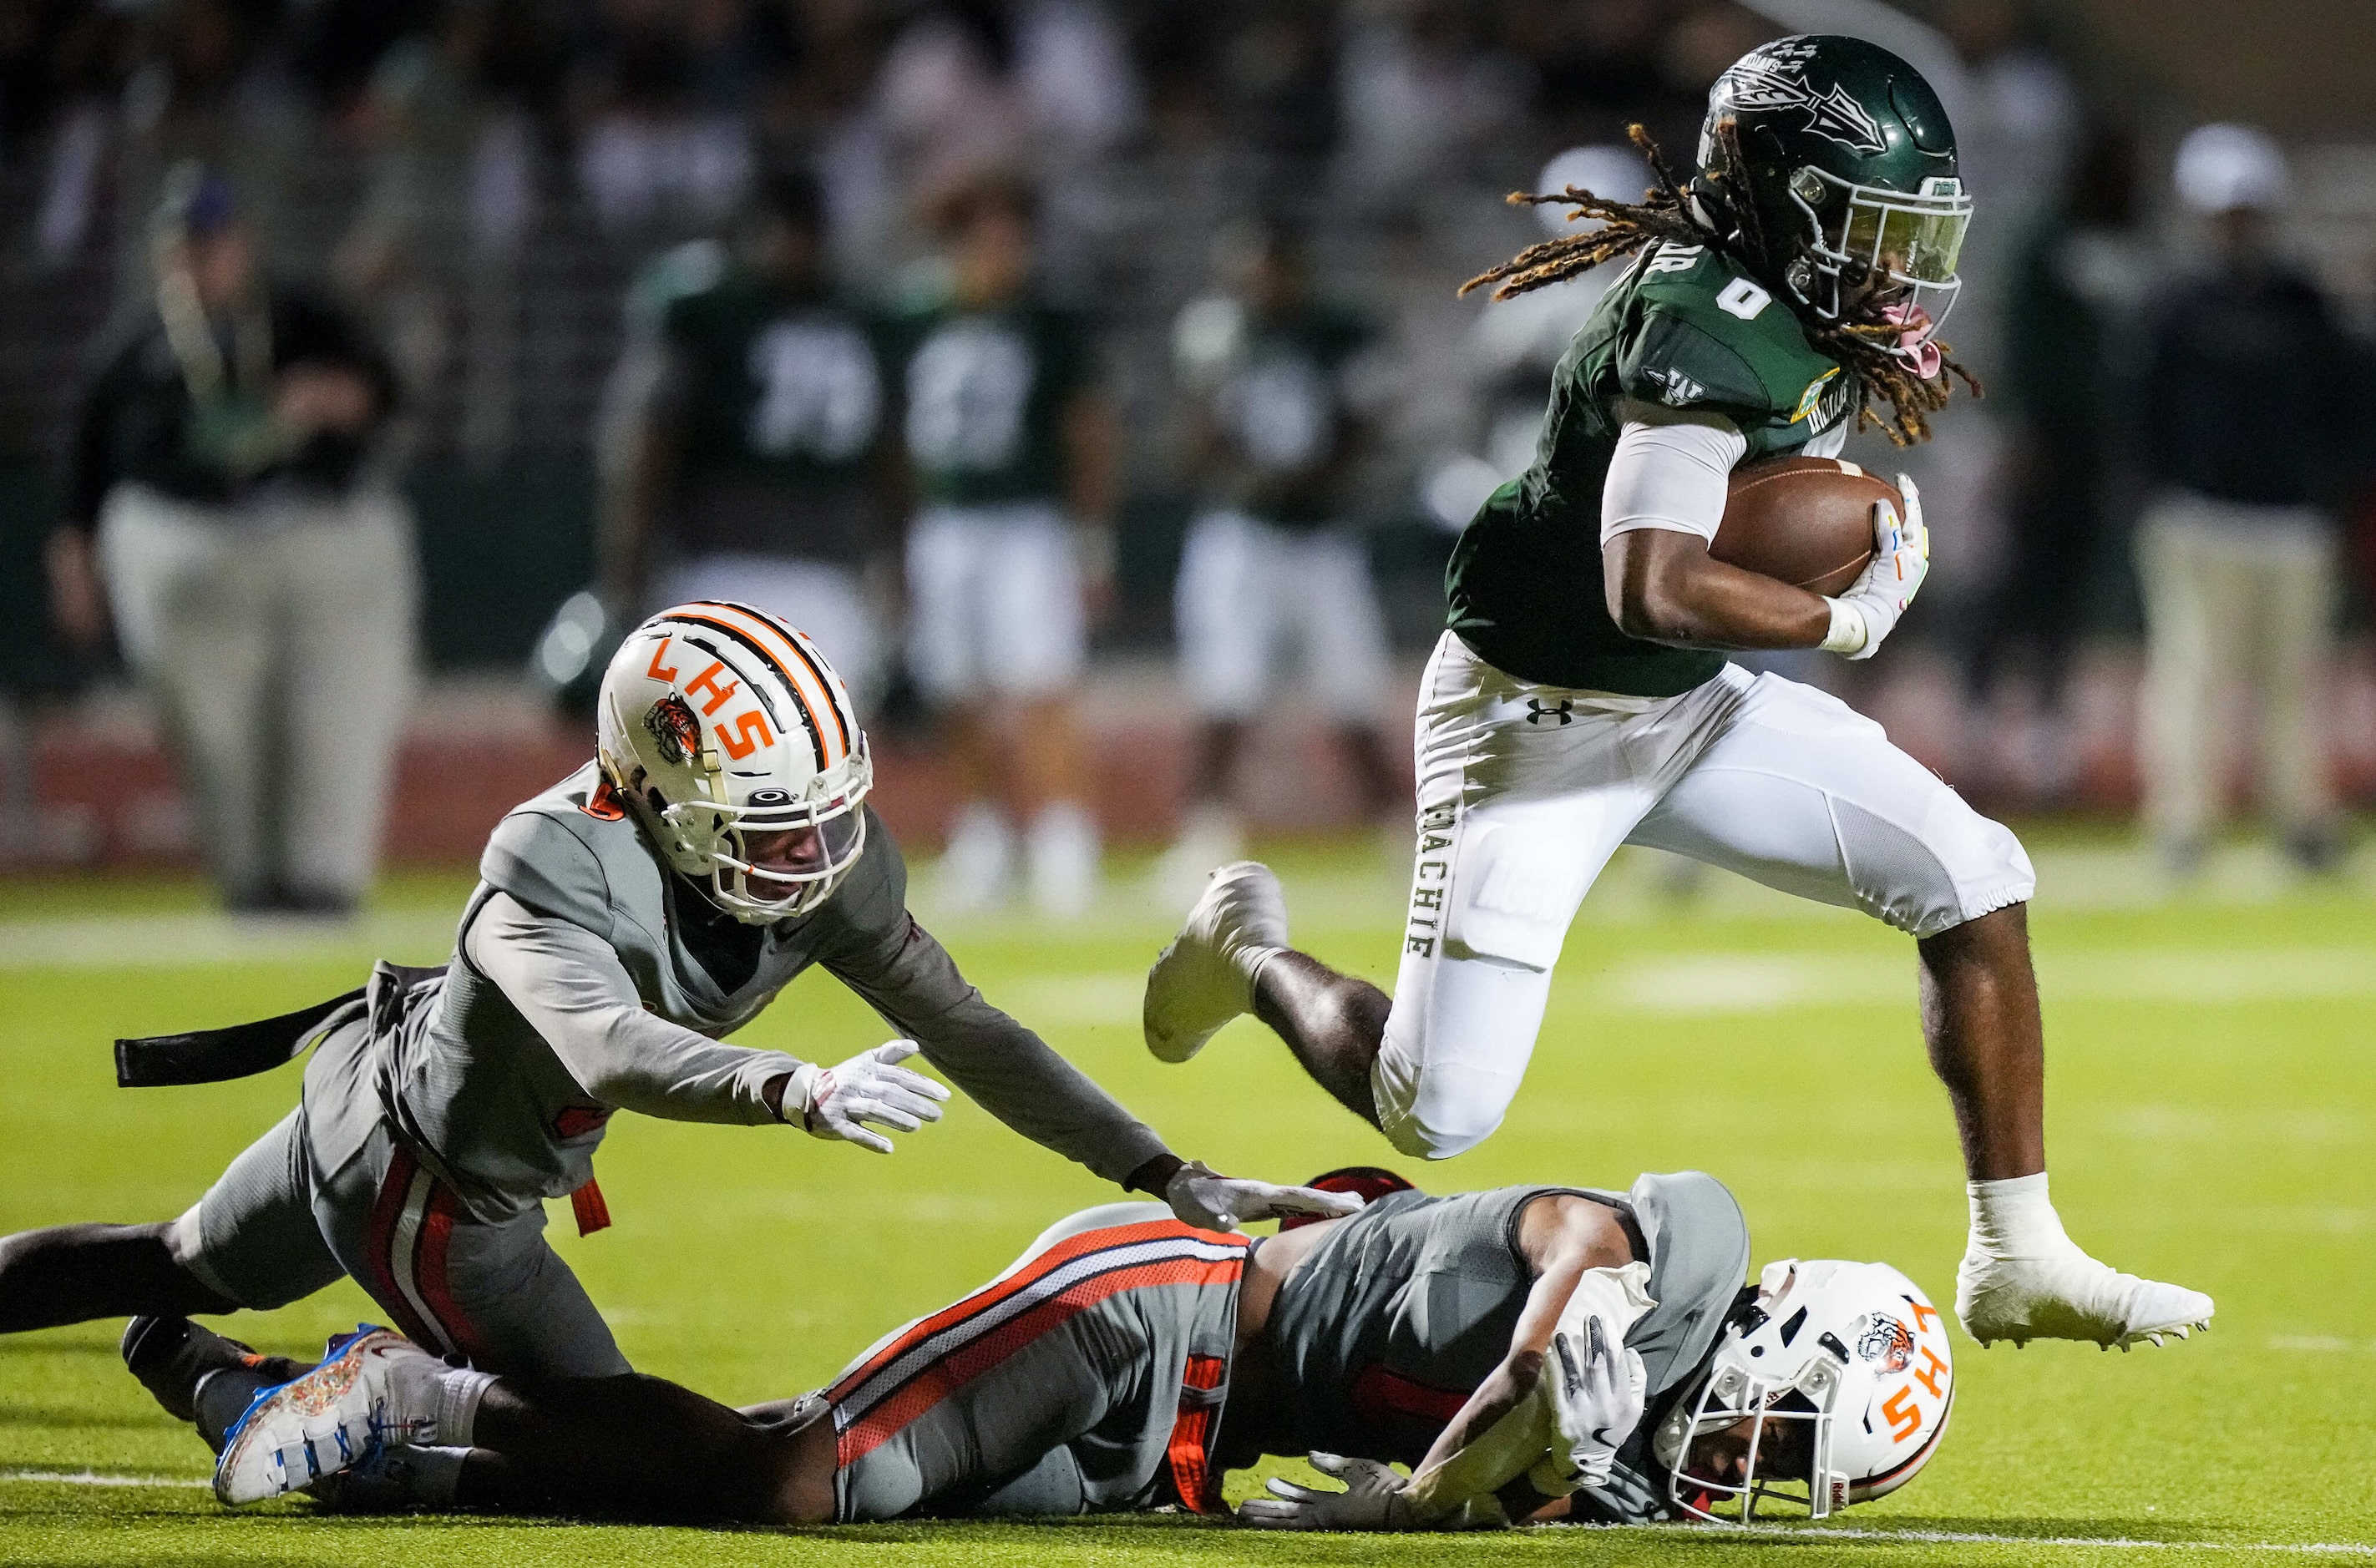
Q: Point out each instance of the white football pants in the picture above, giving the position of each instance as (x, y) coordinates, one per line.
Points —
(1250, 590)
(825, 598)
(1525, 792)
(995, 603)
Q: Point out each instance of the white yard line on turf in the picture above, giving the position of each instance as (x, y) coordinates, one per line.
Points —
(93, 1477)
(1983, 1537)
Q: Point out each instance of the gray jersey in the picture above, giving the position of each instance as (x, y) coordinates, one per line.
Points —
(1383, 1333)
(573, 993)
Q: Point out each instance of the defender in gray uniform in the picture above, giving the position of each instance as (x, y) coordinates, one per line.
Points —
(1124, 1362)
(625, 919)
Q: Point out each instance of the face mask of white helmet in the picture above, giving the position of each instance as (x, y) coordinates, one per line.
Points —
(732, 741)
(1834, 1388)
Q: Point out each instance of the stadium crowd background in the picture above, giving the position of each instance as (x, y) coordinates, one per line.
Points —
(481, 180)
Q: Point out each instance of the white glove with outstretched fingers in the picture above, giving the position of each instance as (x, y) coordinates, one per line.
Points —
(835, 1102)
(1901, 559)
(1366, 1503)
(1597, 1384)
(1202, 1196)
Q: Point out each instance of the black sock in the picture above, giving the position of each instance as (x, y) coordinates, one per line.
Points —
(224, 1395)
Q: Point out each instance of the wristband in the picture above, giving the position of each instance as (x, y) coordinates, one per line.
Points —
(1850, 631)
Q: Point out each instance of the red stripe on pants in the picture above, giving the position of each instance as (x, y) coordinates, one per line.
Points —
(379, 1250)
(442, 1212)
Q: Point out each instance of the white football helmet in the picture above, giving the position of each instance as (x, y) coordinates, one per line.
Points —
(1854, 1351)
(717, 721)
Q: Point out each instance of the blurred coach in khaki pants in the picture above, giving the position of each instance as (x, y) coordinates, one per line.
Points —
(223, 504)
(2249, 425)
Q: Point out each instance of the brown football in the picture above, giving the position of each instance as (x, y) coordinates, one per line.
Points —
(1807, 521)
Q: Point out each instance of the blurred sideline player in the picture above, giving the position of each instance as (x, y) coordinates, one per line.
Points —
(1532, 1351)
(658, 898)
(749, 457)
(1578, 699)
(1274, 564)
(1014, 452)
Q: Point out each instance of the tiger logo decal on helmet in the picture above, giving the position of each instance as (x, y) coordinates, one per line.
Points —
(720, 728)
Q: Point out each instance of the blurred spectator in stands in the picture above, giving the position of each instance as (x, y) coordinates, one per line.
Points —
(1045, 85)
(222, 501)
(1276, 563)
(449, 122)
(2068, 366)
(212, 86)
(749, 459)
(2247, 400)
(1016, 452)
(666, 112)
(1423, 93)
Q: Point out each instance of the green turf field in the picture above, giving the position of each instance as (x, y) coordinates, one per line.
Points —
(2212, 1091)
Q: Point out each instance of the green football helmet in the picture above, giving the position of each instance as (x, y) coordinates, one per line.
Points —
(1851, 165)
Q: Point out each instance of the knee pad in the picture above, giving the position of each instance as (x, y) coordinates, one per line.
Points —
(1440, 1112)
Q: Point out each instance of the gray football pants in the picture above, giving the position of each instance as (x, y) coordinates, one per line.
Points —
(274, 1227)
(1088, 1378)
(279, 642)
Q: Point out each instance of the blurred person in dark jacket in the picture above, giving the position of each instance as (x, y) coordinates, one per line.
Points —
(2079, 284)
(2249, 381)
(223, 505)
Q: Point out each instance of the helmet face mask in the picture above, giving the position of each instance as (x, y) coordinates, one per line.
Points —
(1833, 1388)
(1870, 236)
(731, 742)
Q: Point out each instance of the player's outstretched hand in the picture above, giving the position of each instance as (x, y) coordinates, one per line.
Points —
(872, 1087)
(1202, 1196)
(1869, 612)
(1366, 1503)
(1598, 1388)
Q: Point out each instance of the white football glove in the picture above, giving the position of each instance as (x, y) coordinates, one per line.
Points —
(1901, 559)
(1597, 1384)
(1202, 1196)
(1364, 1504)
(834, 1102)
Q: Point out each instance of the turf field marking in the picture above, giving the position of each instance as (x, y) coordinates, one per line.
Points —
(153, 942)
(94, 1478)
(1747, 983)
(1982, 1537)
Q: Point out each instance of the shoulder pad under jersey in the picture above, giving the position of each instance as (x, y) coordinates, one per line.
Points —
(550, 853)
(1706, 337)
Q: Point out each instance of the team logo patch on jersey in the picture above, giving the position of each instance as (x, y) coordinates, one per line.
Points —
(1888, 1342)
(1812, 398)
(673, 727)
(1768, 83)
(1674, 386)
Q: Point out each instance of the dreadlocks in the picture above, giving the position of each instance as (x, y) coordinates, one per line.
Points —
(1860, 341)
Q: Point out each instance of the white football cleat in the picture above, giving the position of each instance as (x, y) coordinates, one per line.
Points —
(1205, 977)
(325, 1422)
(2068, 1295)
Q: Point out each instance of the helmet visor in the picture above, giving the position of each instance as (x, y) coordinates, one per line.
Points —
(1912, 243)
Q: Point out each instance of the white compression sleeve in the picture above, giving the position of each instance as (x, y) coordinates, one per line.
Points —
(1669, 471)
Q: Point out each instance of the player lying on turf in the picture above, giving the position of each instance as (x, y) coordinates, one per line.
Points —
(656, 899)
(1513, 1346)
(1579, 698)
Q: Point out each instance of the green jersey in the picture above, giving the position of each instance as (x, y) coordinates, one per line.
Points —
(986, 392)
(779, 403)
(1682, 329)
(1275, 387)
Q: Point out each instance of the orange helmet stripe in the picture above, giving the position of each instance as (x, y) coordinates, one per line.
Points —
(801, 663)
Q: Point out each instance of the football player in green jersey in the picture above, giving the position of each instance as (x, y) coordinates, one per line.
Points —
(1275, 562)
(747, 453)
(1581, 698)
(1015, 452)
